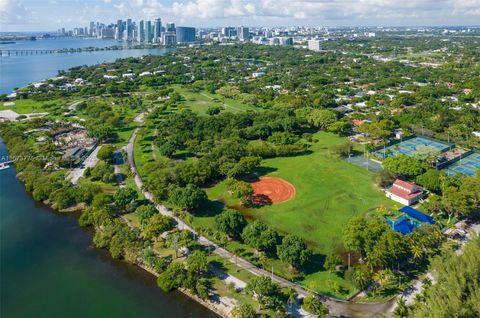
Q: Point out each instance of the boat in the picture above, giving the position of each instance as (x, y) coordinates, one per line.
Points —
(4, 166)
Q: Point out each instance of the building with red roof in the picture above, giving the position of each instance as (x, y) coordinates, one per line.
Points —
(404, 192)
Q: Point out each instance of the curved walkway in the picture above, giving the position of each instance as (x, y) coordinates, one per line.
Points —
(337, 308)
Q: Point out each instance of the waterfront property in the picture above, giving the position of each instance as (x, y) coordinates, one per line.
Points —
(408, 220)
(404, 192)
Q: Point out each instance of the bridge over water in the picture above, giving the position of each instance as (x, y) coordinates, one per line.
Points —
(9, 52)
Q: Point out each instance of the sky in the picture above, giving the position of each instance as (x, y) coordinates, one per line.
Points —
(49, 15)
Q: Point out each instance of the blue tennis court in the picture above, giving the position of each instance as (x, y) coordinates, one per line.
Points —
(412, 147)
(467, 166)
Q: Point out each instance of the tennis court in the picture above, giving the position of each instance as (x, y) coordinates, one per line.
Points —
(414, 147)
(363, 162)
(467, 166)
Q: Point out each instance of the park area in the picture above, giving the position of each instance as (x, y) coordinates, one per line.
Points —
(27, 106)
(200, 101)
(328, 192)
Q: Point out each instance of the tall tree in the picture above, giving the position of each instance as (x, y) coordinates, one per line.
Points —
(293, 251)
(230, 222)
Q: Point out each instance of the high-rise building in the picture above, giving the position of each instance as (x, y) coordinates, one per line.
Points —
(169, 38)
(129, 30)
(170, 27)
(243, 33)
(119, 30)
(229, 32)
(157, 35)
(148, 32)
(185, 34)
(106, 32)
(314, 45)
(141, 31)
(92, 29)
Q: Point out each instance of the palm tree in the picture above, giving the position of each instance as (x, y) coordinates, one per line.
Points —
(361, 278)
(380, 277)
(417, 251)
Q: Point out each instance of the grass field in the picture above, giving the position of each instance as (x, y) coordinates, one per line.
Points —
(329, 191)
(200, 101)
(27, 106)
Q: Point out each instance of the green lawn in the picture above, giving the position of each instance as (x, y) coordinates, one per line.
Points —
(124, 133)
(200, 101)
(26, 106)
(142, 149)
(329, 191)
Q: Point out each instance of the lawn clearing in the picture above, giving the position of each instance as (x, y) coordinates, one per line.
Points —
(329, 191)
(200, 101)
(27, 106)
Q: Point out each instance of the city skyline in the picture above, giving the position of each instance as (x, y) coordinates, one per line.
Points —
(31, 15)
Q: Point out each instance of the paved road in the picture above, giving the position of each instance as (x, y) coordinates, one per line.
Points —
(73, 106)
(117, 162)
(337, 308)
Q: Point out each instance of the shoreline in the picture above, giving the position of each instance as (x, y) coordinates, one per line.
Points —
(208, 303)
(75, 211)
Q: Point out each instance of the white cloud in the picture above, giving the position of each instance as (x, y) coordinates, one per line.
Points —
(13, 12)
(247, 12)
(351, 8)
(466, 7)
(213, 9)
(295, 11)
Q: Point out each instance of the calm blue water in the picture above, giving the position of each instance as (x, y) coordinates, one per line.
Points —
(49, 268)
(18, 71)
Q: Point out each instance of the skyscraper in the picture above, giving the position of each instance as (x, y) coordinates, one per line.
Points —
(243, 33)
(92, 29)
(119, 30)
(157, 36)
(148, 32)
(185, 34)
(170, 27)
(229, 32)
(129, 33)
(169, 38)
(141, 31)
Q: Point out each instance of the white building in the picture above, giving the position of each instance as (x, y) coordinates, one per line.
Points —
(406, 193)
(314, 45)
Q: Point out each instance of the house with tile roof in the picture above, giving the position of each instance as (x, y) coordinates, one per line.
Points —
(406, 193)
